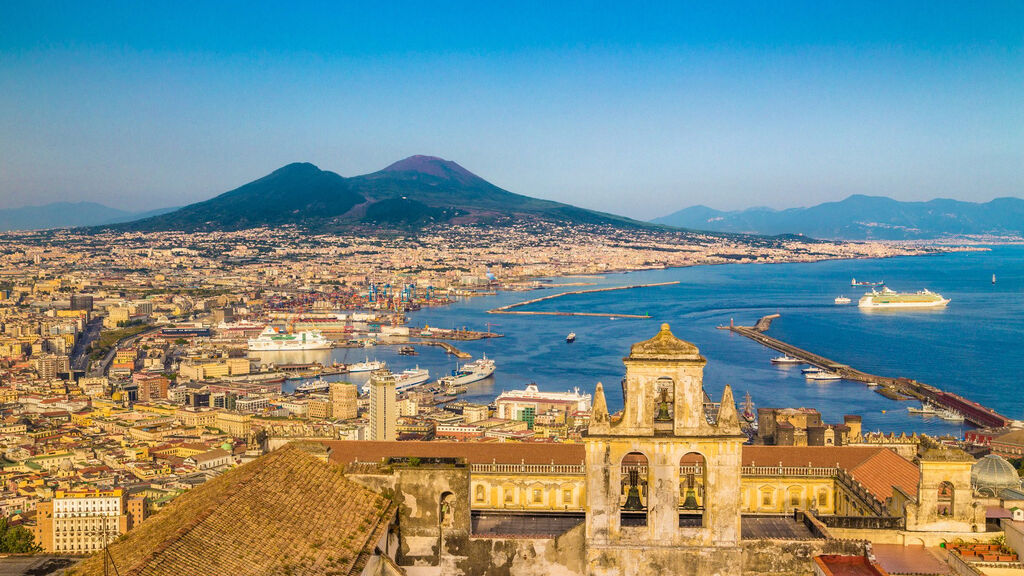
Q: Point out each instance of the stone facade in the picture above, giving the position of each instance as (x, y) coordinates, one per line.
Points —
(662, 428)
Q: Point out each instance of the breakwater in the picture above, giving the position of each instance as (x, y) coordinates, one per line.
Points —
(895, 388)
(510, 308)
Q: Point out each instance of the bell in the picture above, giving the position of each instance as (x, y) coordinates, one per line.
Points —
(633, 503)
(663, 413)
(690, 503)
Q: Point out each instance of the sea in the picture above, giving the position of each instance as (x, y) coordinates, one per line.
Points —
(974, 346)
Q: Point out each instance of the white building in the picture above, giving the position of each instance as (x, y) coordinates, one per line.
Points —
(383, 408)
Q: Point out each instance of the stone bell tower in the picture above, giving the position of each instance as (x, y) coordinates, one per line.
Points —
(663, 475)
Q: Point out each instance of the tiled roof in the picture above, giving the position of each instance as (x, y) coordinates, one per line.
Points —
(347, 451)
(878, 469)
(285, 513)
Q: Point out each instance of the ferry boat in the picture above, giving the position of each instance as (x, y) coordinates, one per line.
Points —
(842, 300)
(823, 375)
(470, 372)
(784, 359)
(412, 377)
(570, 338)
(318, 385)
(891, 299)
(366, 366)
(277, 339)
(405, 379)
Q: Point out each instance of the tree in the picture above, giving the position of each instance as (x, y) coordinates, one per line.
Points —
(16, 539)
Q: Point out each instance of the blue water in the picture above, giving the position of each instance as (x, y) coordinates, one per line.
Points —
(974, 347)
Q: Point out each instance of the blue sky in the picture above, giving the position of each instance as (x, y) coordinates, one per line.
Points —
(633, 108)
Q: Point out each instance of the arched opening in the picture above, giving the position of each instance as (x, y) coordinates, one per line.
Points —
(693, 472)
(633, 490)
(664, 404)
(944, 501)
(446, 510)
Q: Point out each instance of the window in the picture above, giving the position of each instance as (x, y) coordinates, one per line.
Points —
(766, 498)
(538, 496)
(823, 498)
(567, 496)
(479, 493)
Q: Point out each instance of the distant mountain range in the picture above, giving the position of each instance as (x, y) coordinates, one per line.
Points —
(864, 218)
(411, 193)
(67, 215)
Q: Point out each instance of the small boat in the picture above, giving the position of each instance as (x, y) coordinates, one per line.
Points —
(570, 338)
(784, 359)
(407, 351)
(823, 375)
(811, 370)
(842, 300)
(925, 410)
(993, 278)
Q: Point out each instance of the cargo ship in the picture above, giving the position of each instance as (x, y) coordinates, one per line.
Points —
(891, 299)
(277, 339)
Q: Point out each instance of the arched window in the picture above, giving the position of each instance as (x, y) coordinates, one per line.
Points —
(633, 489)
(446, 510)
(944, 501)
(692, 482)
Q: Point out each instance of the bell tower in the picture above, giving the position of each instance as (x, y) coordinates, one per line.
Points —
(663, 475)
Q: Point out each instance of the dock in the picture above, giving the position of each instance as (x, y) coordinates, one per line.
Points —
(447, 348)
(893, 388)
(509, 309)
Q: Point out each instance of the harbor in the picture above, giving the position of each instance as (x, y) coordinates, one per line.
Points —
(510, 308)
(893, 388)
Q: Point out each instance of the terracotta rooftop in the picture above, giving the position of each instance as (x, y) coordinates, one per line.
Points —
(834, 565)
(285, 513)
(878, 469)
(348, 451)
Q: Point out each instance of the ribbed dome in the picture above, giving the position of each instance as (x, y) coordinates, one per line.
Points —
(992, 474)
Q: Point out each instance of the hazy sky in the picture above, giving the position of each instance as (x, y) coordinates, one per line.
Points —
(629, 107)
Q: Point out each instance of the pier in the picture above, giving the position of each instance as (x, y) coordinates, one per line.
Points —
(893, 388)
(509, 309)
(448, 348)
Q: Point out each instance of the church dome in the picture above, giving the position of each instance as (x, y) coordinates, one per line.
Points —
(992, 474)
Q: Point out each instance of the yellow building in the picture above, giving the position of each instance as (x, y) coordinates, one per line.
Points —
(237, 425)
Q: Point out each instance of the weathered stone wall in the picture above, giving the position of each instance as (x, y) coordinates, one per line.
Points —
(664, 561)
(561, 556)
(792, 558)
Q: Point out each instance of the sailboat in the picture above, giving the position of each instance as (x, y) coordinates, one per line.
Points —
(993, 278)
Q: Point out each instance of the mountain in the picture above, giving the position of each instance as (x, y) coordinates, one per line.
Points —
(411, 193)
(67, 215)
(862, 217)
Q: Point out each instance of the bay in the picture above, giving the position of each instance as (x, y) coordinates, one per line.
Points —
(974, 347)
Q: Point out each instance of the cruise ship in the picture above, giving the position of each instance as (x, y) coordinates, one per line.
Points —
(891, 299)
(276, 339)
(470, 372)
(318, 385)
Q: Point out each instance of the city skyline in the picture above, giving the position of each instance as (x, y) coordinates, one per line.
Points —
(730, 107)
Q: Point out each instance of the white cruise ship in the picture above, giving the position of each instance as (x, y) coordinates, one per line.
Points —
(276, 339)
(511, 403)
(470, 372)
(891, 299)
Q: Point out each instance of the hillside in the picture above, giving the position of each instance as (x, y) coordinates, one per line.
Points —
(66, 215)
(864, 218)
(408, 194)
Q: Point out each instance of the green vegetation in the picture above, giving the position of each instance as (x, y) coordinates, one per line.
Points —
(16, 539)
(108, 339)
